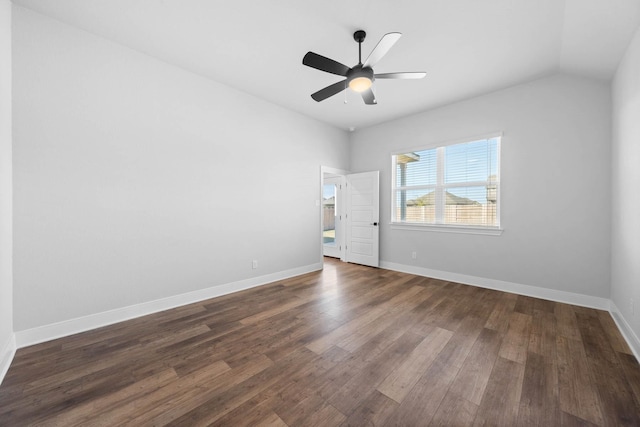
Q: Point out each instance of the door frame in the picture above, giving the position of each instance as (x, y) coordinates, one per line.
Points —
(327, 170)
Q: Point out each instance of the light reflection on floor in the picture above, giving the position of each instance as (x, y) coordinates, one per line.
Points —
(331, 292)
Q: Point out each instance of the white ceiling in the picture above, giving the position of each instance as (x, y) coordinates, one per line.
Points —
(467, 47)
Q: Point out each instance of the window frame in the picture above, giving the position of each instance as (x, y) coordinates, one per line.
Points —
(440, 184)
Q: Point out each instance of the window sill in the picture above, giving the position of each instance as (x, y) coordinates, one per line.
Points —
(487, 231)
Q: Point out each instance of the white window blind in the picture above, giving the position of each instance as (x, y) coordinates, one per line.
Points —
(450, 185)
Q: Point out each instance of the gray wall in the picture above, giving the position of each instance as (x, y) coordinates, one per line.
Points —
(135, 180)
(6, 232)
(625, 250)
(555, 185)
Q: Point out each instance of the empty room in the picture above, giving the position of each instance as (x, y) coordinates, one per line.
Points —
(290, 213)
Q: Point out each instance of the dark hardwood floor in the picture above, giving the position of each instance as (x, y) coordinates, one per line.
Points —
(350, 345)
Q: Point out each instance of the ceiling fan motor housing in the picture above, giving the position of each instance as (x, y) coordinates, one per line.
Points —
(360, 72)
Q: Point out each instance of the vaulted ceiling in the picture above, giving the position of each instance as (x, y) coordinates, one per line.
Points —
(467, 47)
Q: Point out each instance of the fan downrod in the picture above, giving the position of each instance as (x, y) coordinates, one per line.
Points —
(359, 37)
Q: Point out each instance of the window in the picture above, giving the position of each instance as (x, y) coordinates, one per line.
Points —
(454, 185)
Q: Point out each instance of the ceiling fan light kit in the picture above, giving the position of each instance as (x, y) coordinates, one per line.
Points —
(360, 77)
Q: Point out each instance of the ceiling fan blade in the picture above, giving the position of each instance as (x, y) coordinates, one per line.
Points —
(323, 63)
(413, 75)
(368, 97)
(386, 42)
(329, 91)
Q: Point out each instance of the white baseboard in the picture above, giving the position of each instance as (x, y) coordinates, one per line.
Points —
(6, 356)
(82, 324)
(73, 326)
(499, 285)
(625, 330)
(531, 291)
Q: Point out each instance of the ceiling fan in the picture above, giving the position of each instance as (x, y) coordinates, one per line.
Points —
(361, 76)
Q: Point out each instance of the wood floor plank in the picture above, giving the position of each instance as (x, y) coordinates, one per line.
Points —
(619, 407)
(348, 345)
(629, 366)
(539, 399)
(372, 411)
(350, 394)
(423, 401)
(270, 420)
(425, 311)
(326, 415)
(524, 305)
(295, 400)
(542, 337)
(457, 349)
(335, 378)
(471, 381)
(220, 404)
(294, 410)
(544, 305)
(397, 384)
(273, 311)
(256, 411)
(167, 402)
(613, 334)
(577, 394)
(500, 403)
(454, 411)
(567, 322)
(83, 414)
(499, 317)
(516, 341)
(616, 395)
(569, 420)
(334, 337)
(413, 297)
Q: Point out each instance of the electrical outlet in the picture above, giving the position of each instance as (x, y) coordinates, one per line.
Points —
(414, 255)
(254, 264)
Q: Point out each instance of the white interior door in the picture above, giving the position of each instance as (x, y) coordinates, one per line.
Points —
(362, 218)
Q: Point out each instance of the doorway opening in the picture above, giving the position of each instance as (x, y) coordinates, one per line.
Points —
(332, 210)
(332, 216)
(349, 216)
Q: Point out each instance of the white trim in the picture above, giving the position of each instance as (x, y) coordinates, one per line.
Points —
(499, 285)
(441, 228)
(333, 171)
(7, 355)
(625, 330)
(82, 324)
